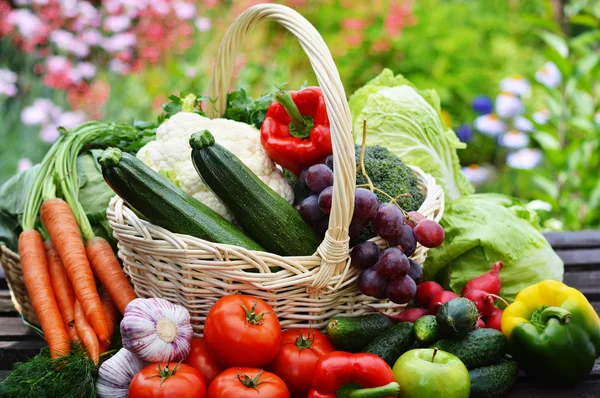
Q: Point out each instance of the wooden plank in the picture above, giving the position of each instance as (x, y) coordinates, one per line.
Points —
(580, 258)
(573, 239)
(12, 352)
(587, 282)
(3, 374)
(13, 329)
(6, 306)
(584, 389)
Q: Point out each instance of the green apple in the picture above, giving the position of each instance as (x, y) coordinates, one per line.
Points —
(425, 373)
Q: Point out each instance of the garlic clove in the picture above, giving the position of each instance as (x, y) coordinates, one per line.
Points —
(115, 374)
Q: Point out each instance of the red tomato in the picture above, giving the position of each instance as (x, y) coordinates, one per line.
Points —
(201, 360)
(165, 380)
(247, 383)
(295, 361)
(242, 331)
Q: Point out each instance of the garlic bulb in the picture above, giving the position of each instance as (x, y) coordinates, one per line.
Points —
(156, 330)
(115, 375)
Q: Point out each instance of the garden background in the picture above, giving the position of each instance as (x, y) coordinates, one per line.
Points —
(519, 81)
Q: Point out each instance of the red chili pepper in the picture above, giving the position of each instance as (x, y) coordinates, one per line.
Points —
(341, 374)
(295, 133)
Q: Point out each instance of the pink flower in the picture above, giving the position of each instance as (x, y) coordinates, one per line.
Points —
(91, 37)
(160, 6)
(119, 42)
(86, 70)
(26, 22)
(211, 3)
(353, 24)
(184, 10)
(57, 64)
(69, 120)
(117, 23)
(37, 113)
(24, 164)
(354, 39)
(119, 67)
(8, 80)
(203, 24)
(49, 133)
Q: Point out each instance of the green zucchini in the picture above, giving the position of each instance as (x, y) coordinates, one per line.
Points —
(164, 204)
(265, 215)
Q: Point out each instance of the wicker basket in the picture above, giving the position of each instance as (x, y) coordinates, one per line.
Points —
(308, 290)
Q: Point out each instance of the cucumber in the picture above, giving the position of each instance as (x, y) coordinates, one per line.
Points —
(353, 333)
(480, 347)
(265, 215)
(457, 317)
(164, 204)
(392, 343)
(427, 330)
(493, 381)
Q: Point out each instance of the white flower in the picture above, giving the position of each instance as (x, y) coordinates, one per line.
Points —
(49, 133)
(40, 2)
(190, 72)
(549, 75)
(185, 10)
(57, 64)
(68, 8)
(541, 116)
(69, 120)
(476, 174)
(86, 70)
(91, 37)
(24, 164)
(516, 84)
(160, 6)
(203, 24)
(514, 139)
(8, 80)
(118, 42)
(490, 125)
(87, 14)
(539, 205)
(27, 23)
(119, 67)
(508, 105)
(597, 117)
(117, 23)
(523, 124)
(37, 113)
(524, 158)
(62, 39)
(553, 224)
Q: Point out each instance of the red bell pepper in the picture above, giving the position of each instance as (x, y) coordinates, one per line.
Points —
(362, 375)
(295, 133)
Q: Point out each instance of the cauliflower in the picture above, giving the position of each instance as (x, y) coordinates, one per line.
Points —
(170, 155)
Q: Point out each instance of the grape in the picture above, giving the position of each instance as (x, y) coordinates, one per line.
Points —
(318, 177)
(309, 209)
(329, 161)
(365, 255)
(393, 264)
(429, 233)
(325, 200)
(401, 290)
(405, 240)
(371, 283)
(415, 271)
(415, 215)
(302, 179)
(388, 221)
(321, 226)
(366, 204)
(356, 226)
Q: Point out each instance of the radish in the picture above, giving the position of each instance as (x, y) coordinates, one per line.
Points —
(482, 300)
(494, 320)
(480, 324)
(488, 282)
(426, 291)
(439, 299)
(411, 314)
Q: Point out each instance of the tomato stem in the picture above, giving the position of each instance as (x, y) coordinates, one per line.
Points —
(250, 382)
(304, 342)
(165, 373)
(252, 317)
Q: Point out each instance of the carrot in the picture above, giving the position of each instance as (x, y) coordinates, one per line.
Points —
(86, 333)
(65, 297)
(111, 312)
(64, 232)
(37, 281)
(107, 269)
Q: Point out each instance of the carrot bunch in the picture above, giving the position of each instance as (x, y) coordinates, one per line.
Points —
(60, 274)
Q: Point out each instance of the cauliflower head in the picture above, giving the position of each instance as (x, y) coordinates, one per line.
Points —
(170, 155)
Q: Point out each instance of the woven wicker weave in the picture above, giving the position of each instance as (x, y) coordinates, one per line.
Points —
(308, 290)
(16, 284)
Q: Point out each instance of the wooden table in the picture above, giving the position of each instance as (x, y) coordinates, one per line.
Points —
(579, 250)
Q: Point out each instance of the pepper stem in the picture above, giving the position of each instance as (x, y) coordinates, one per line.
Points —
(563, 315)
(300, 126)
(389, 390)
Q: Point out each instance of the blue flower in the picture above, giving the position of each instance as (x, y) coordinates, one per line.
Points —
(482, 104)
(464, 133)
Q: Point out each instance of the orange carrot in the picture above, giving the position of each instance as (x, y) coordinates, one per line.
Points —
(37, 281)
(64, 232)
(107, 269)
(65, 297)
(86, 333)
(111, 312)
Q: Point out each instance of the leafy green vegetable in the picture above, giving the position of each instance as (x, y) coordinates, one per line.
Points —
(408, 122)
(483, 228)
(12, 201)
(242, 108)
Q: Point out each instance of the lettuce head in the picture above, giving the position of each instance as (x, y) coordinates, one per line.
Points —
(408, 122)
(483, 228)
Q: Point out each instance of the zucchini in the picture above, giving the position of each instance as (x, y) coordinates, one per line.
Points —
(164, 204)
(265, 215)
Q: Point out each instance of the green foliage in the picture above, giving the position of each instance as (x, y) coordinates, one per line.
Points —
(242, 108)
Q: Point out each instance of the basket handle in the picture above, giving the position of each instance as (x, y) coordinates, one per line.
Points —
(335, 247)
